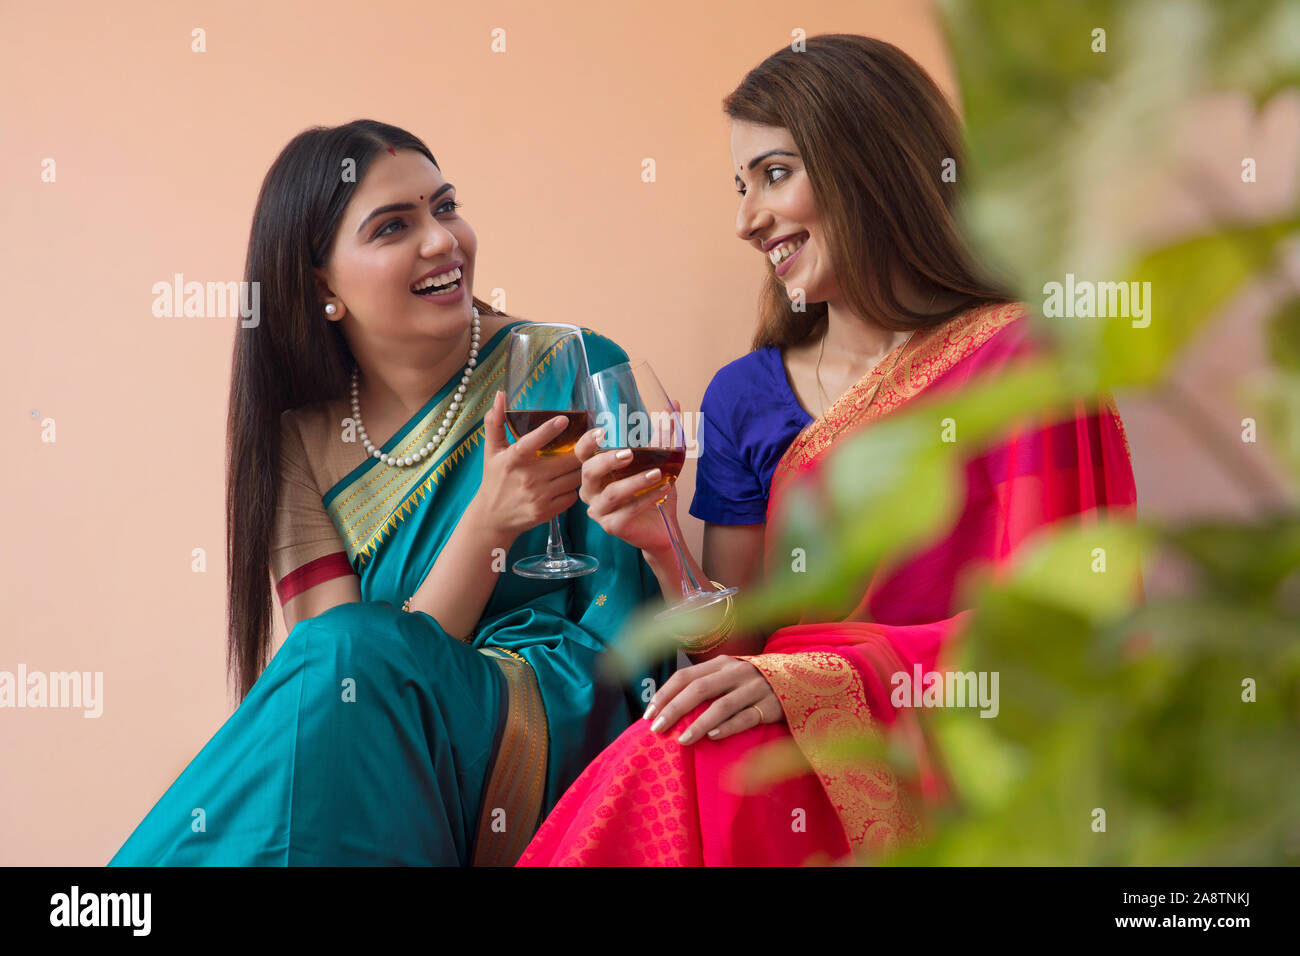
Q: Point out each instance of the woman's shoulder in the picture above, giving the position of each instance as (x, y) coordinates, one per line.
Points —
(602, 351)
(312, 412)
(753, 381)
(752, 372)
(314, 423)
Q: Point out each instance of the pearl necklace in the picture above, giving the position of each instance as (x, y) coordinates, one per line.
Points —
(443, 429)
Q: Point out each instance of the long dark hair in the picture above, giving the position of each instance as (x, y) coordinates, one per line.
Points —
(292, 357)
(874, 131)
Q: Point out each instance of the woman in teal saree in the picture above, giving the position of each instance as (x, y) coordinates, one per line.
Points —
(381, 733)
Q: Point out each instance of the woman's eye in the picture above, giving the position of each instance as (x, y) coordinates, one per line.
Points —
(383, 231)
(771, 169)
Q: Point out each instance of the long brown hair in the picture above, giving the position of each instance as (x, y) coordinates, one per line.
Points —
(293, 356)
(874, 131)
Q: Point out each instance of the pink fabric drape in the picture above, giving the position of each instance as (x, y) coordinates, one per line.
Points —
(648, 800)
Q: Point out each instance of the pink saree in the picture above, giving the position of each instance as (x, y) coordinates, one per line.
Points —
(648, 800)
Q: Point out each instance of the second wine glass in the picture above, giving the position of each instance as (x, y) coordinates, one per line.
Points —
(630, 404)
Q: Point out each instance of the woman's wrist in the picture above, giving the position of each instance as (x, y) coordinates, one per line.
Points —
(479, 521)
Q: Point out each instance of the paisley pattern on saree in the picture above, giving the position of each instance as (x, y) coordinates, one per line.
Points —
(825, 706)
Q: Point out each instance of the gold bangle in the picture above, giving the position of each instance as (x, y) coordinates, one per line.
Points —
(718, 635)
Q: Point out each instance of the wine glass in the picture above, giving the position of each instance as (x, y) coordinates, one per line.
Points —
(546, 376)
(631, 405)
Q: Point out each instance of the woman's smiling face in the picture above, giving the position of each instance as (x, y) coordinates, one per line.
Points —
(778, 214)
(400, 225)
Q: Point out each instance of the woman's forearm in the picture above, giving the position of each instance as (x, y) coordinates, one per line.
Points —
(458, 586)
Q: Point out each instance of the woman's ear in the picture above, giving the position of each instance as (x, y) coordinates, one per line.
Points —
(331, 304)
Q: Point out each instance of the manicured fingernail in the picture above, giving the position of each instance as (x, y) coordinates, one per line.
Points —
(598, 434)
(648, 711)
(715, 731)
(687, 737)
(652, 475)
(559, 421)
(623, 454)
(658, 725)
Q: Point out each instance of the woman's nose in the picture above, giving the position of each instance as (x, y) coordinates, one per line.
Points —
(750, 218)
(438, 240)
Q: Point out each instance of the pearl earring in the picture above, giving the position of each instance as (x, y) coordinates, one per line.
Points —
(331, 309)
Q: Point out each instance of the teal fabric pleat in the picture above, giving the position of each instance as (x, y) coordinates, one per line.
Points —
(365, 742)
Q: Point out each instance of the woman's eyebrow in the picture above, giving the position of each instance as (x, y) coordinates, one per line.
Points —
(402, 206)
(762, 156)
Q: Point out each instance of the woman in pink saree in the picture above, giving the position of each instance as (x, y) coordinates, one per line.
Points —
(669, 790)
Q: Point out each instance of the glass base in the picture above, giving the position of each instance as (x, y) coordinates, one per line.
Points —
(569, 566)
(695, 602)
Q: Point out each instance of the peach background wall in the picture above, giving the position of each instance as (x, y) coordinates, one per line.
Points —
(159, 154)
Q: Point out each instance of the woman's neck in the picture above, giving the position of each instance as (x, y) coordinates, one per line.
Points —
(399, 385)
(853, 344)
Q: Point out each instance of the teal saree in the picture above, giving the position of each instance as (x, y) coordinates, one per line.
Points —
(374, 737)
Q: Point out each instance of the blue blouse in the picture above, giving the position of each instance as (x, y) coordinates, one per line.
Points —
(749, 416)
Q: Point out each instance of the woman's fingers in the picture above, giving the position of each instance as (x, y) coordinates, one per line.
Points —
(564, 482)
(494, 425)
(541, 436)
(745, 718)
(679, 680)
(620, 492)
(598, 466)
(733, 708)
(676, 698)
(561, 503)
(589, 444)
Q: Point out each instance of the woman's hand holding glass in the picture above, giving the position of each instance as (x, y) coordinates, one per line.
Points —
(621, 506)
(521, 489)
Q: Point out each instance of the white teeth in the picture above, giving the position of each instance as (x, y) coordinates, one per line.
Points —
(785, 250)
(444, 279)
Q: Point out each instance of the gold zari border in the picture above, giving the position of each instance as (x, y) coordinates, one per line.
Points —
(825, 705)
(518, 775)
(899, 376)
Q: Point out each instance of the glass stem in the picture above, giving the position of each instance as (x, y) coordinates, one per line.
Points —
(689, 584)
(555, 542)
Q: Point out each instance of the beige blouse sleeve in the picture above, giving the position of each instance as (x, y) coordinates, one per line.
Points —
(305, 546)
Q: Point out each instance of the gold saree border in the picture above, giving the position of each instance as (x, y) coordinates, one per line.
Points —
(825, 705)
(518, 776)
(901, 375)
(364, 513)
